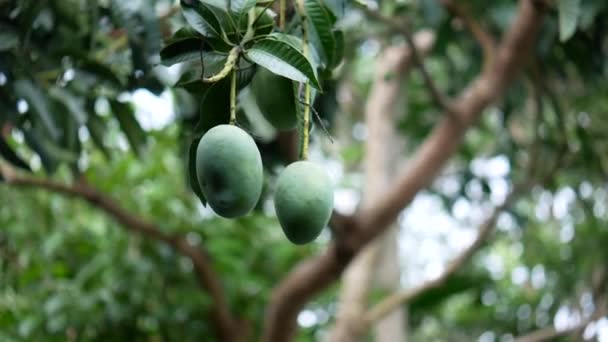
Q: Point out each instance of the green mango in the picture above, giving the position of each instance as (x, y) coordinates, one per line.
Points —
(229, 170)
(303, 200)
(275, 99)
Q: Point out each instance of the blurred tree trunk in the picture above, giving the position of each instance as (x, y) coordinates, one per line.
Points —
(378, 264)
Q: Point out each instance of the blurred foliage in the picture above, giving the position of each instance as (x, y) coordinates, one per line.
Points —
(68, 272)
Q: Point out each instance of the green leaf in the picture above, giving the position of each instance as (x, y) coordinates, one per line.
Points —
(241, 7)
(97, 128)
(72, 103)
(215, 107)
(9, 37)
(339, 49)
(568, 17)
(182, 50)
(192, 171)
(125, 115)
(39, 104)
(103, 72)
(34, 141)
(336, 7)
(202, 18)
(11, 156)
(191, 78)
(320, 30)
(283, 59)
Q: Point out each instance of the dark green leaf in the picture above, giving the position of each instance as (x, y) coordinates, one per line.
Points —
(11, 156)
(97, 128)
(101, 71)
(337, 7)
(72, 103)
(320, 30)
(213, 62)
(241, 7)
(39, 104)
(283, 59)
(192, 171)
(125, 115)
(214, 108)
(339, 48)
(202, 18)
(181, 51)
(568, 17)
(9, 37)
(33, 140)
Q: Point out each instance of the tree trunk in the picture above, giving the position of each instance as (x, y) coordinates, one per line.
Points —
(381, 154)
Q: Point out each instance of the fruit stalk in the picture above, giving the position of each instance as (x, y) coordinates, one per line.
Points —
(228, 66)
(306, 111)
(282, 8)
(233, 97)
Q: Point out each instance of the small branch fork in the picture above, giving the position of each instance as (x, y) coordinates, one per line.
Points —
(485, 39)
(401, 27)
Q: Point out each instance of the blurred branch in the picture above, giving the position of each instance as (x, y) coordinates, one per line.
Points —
(315, 274)
(551, 334)
(207, 278)
(487, 42)
(402, 27)
(171, 11)
(403, 297)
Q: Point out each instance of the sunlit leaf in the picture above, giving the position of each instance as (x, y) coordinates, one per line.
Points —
(283, 59)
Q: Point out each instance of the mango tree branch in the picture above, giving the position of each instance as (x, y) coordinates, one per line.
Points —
(445, 138)
(440, 99)
(405, 296)
(598, 290)
(403, 29)
(314, 275)
(221, 316)
(551, 334)
(485, 40)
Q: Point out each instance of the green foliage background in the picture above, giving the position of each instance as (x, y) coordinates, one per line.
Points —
(68, 272)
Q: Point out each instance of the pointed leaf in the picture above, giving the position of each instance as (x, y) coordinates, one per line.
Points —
(103, 72)
(11, 156)
(568, 17)
(191, 79)
(97, 128)
(241, 7)
(39, 104)
(73, 104)
(339, 49)
(9, 37)
(32, 139)
(182, 50)
(193, 179)
(200, 16)
(125, 115)
(337, 8)
(283, 59)
(320, 30)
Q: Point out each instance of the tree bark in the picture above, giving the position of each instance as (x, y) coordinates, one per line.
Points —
(314, 275)
(381, 155)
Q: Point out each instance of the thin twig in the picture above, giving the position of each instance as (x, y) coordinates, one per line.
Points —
(438, 97)
(318, 119)
(487, 42)
(401, 27)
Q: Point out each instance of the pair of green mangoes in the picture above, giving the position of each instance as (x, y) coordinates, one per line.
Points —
(230, 174)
